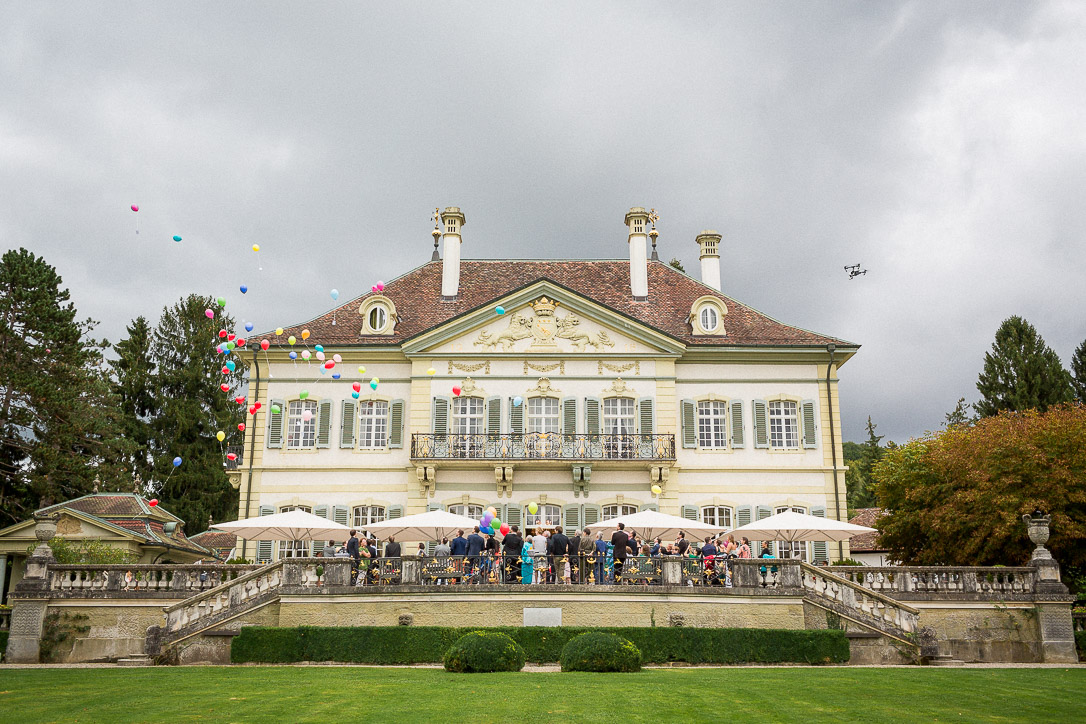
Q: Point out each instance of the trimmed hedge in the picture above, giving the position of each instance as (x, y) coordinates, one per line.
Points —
(1080, 644)
(428, 644)
(484, 651)
(3, 643)
(599, 651)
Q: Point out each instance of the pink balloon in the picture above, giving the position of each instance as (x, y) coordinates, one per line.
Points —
(380, 286)
(209, 314)
(320, 356)
(135, 208)
(307, 415)
(337, 358)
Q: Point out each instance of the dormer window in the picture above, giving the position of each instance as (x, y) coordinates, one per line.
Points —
(378, 316)
(707, 316)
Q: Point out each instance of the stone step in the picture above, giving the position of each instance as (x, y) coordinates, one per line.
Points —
(945, 660)
(136, 660)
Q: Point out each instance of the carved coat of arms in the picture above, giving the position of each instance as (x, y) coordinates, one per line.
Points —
(544, 327)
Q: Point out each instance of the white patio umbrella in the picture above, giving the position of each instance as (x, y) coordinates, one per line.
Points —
(649, 524)
(293, 525)
(433, 525)
(793, 527)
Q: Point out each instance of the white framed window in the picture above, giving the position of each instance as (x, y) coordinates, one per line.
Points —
(475, 512)
(363, 515)
(543, 414)
(294, 548)
(719, 515)
(546, 516)
(712, 424)
(372, 424)
(618, 421)
(783, 424)
(610, 512)
(468, 416)
(709, 318)
(797, 549)
(378, 317)
(301, 427)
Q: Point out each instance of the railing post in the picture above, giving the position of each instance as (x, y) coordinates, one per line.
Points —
(671, 572)
(1050, 595)
(412, 571)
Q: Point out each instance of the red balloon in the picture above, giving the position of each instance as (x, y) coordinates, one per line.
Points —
(357, 387)
(231, 456)
(504, 529)
(264, 344)
(240, 399)
(257, 404)
(222, 334)
(226, 370)
(153, 502)
(225, 387)
(456, 391)
(230, 337)
(135, 207)
(241, 426)
(329, 365)
(241, 341)
(252, 410)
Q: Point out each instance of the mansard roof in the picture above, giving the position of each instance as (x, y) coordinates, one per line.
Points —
(420, 308)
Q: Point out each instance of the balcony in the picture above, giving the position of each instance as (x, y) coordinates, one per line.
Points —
(542, 446)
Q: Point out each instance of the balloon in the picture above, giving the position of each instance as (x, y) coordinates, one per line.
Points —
(376, 379)
(329, 365)
(492, 510)
(256, 247)
(336, 375)
(533, 508)
(488, 530)
(320, 356)
(221, 301)
(231, 457)
(224, 387)
(307, 415)
(223, 333)
(241, 341)
(373, 384)
(485, 520)
(456, 390)
(656, 489)
(380, 286)
(494, 522)
(225, 370)
(291, 340)
(152, 502)
(518, 401)
(264, 344)
(220, 436)
(335, 294)
(278, 331)
(305, 354)
(293, 354)
(337, 359)
(177, 238)
(135, 208)
(231, 345)
(504, 529)
(275, 409)
(356, 386)
(354, 395)
(499, 310)
(305, 334)
(243, 288)
(177, 462)
(257, 404)
(321, 368)
(232, 365)
(231, 336)
(303, 394)
(431, 372)
(248, 326)
(318, 347)
(240, 399)
(209, 314)
(241, 427)
(361, 370)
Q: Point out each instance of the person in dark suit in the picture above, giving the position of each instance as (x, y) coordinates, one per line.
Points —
(458, 546)
(392, 548)
(355, 554)
(511, 545)
(574, 562)
(620, 539)
(559, 550)
(476, 544)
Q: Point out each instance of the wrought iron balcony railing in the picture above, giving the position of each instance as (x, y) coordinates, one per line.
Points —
(542, 446)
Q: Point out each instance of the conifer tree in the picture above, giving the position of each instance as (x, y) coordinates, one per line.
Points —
(134, 383)
(1078, 372)
(1021, 372)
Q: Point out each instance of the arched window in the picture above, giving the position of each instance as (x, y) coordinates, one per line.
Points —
(378, 318)
(712, 427)
(709, 318)
(372, 424)
(294, 548)
(301, 427)
(610, 512)
(719, 515)
(474, 512)
(363, 515)
(546, 516)
(797, 549)
(783, 424)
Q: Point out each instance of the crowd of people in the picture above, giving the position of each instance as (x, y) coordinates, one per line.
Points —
(543, 556)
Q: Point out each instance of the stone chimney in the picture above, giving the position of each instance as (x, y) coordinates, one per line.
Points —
(637, 220)
(451, 221)
(709, 245)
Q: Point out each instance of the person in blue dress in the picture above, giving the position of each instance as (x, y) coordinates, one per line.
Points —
(526, 563)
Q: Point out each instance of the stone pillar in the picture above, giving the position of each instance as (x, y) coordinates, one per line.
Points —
(671, 572)
(1050, 597)
(412, 571)
(31, 597)
(3, 573)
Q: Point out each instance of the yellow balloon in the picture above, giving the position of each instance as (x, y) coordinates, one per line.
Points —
(278, 331)
(291, 340)
(656, 489)
(361, 370)
(376, 379)
(256, 247)
(533, 508)
(431, 372)
(220, 436)
(305, 334)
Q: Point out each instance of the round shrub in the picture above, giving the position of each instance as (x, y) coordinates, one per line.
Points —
(598, 651)
(484, 651)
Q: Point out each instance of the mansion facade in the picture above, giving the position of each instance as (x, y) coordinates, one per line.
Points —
(574, 385)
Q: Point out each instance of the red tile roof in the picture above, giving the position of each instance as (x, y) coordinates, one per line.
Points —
(103, 504)
(217, 539)
(865, 542)
(417, 296)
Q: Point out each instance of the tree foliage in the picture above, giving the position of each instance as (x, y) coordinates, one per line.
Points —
(956, 497)
(676, 263)
(861, 459)
(134, 383)
(1021, 372)
(1078, 372)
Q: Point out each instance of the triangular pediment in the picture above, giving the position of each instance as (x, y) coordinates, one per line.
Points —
(541, 319)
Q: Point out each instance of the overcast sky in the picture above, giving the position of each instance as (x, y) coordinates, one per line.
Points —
(940, 145)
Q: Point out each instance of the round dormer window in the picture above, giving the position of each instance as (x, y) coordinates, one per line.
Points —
(378, 318)
(709, 318)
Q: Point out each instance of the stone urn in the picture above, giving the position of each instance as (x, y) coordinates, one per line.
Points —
(1037, 525)
(45, 530)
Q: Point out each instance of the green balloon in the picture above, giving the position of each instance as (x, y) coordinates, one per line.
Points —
(275, 409)
(221, 301)
(495, 524)
(230, 345)
(303, 394)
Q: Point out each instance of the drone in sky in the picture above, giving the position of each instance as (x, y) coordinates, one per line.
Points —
(855, 271)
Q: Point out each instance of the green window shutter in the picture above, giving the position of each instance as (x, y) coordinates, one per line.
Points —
(324, 423)
(516, 419)
(395, 511)
(275, 423)
(761, 424)
(807, 415)
(592, 415)
(819, 552)
(339, 514)
(650, 506)
(647, 415)
(434, 506)
(347, 423)
(762, 512)
(494, 416)
(591, 514)
(511, 514)
(265, 548)
(736, 408)
(690, 512)
(441, 415)
(690, 423)
(321, 511)
(742, 515)
(571, 521)
(395, 424)
(569, 416)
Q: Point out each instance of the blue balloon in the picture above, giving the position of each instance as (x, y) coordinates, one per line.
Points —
(177, 238)
(354, 395)
(293, 355)
(488, 530)
(248, 326)
(323, 370)
(231, 365)
(177, 462)
(518, 401)
(335, 375)
(244, 288)
(335, 294)
(319, 347)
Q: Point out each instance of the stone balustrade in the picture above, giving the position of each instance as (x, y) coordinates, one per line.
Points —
(77, 581)
(921, 581)
(850, 598)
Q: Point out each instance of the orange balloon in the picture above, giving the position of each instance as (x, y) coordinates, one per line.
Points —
(305, 334)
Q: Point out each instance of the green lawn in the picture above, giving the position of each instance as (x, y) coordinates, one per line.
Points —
(334, 694)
